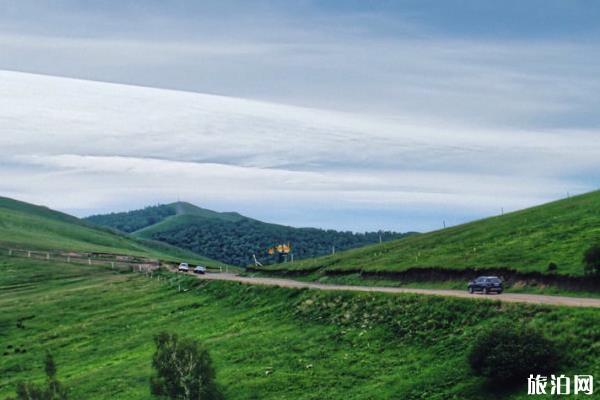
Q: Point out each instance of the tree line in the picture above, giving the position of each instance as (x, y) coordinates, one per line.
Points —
(235, 242)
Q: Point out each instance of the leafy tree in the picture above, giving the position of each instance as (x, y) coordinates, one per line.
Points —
(591, 260)
(53, 390)
(507, 353)
(183, 369)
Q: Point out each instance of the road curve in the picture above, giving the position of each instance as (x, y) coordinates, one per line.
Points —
(505, 297)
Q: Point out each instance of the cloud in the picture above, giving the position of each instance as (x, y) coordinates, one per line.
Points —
(87, 146)
(514, 84)
(435, 117)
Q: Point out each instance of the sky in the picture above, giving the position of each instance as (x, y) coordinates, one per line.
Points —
(358, 115)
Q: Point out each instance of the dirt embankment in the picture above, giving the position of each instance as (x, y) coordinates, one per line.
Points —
(509, 276)
(505, 297)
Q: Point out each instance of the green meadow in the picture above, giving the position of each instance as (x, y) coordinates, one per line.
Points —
(266, 343)
(525, 241)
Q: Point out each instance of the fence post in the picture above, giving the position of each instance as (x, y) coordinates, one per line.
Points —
(68, 259)
(47, 256)
(112, 265)
(89, 261)
(10, 252)
(29, 253)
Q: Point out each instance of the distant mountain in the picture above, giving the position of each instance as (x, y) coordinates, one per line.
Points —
(132, 221)
(229, 236)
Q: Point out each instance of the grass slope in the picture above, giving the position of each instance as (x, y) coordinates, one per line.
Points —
(27, 226)
(266, 343)
(155, 216)
(526, 241)
(186, 213)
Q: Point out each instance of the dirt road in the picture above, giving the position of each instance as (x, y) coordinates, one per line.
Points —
(506, 297)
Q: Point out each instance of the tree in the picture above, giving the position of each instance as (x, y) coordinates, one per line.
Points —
(591, 260)
(54, 390)
(183, 369)
(507, 353)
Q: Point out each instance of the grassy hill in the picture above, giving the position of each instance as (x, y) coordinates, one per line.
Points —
(228, 236)
(266, 343)
(525, 241)
(155, 216)
(28, 226)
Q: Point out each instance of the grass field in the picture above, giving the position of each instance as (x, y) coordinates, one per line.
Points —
(525, 241)
(267, 343)
(24, 225)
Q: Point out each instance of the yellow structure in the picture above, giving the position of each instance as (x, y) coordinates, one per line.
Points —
(280, 249)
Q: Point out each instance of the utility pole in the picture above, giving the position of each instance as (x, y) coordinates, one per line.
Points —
(332, 249)
(502, 211)
(380, 241)
(444, 222)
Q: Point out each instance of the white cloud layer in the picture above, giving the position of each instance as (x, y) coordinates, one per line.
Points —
(86, 146)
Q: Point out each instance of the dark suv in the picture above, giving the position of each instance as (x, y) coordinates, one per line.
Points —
(486, 284)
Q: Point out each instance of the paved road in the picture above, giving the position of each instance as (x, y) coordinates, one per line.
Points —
(506, 297)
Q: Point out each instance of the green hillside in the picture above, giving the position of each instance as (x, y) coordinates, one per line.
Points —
(266, 343)
(526, 241)
(28, 226)
(231, 237)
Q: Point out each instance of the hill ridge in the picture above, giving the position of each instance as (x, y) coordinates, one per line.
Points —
(229, 236)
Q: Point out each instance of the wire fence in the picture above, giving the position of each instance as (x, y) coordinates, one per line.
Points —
(113, 261)
(120, 262)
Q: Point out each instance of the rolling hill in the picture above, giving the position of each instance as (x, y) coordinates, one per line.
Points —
(265, 342)
(229, 236)
(28, 226)
(524, 241)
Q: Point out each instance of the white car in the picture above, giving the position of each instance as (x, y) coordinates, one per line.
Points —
(183, 267)
(200, 270)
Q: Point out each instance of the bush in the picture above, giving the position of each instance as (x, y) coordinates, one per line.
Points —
(54, 390)
(552, 267)
(591, 260)
(183, 369)
(506, 354)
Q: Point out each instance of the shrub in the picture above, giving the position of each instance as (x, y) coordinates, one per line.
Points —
(54, 390)
(506, 354)
(183, 369)
(591, 260)
(552, 267)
